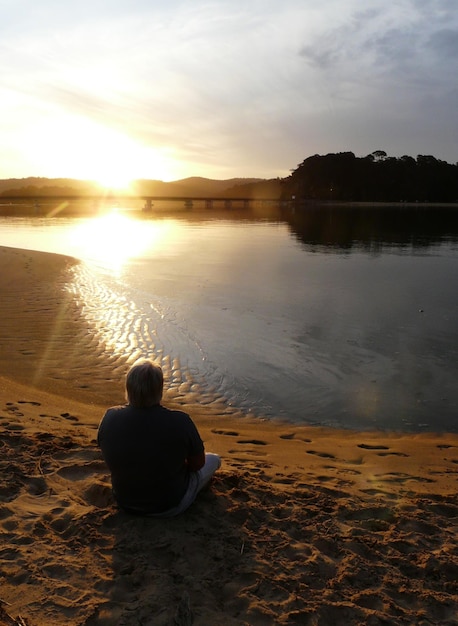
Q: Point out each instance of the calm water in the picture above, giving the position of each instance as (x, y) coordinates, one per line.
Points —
(334, 317)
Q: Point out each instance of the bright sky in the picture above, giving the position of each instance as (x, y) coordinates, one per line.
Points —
(165, 89)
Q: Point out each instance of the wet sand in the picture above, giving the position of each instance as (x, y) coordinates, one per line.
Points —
(302, 525)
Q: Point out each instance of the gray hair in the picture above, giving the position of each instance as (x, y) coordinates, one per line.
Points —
(144, 384)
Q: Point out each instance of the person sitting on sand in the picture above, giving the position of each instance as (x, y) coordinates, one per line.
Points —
(155, 455)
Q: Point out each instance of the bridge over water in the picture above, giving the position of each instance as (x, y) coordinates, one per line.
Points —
(145, 203)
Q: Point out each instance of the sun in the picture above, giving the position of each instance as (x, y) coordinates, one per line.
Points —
(121, 160)
(117, 161)
(115, 177)
(81, 148)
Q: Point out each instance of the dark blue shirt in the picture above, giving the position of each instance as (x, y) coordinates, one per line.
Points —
(146, 451)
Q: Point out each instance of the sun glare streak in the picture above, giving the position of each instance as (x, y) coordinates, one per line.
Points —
(111, 240)
(56, 210)
(51, 343)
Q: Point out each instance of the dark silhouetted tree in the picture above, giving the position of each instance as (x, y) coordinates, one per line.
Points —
(373, 178)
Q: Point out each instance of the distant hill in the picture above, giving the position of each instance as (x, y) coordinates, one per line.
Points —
(35, 186)
(194, 186)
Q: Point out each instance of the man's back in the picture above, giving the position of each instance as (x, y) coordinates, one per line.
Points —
(146, 450)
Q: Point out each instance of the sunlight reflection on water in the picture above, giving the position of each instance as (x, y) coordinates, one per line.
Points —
(114, 238)
(131, 326)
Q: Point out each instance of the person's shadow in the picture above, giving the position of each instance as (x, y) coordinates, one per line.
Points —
(171, 571)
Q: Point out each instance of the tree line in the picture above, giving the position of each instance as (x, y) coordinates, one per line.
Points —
(373, 178)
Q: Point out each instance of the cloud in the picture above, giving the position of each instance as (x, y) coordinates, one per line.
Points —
(229, 83)
(445, 44)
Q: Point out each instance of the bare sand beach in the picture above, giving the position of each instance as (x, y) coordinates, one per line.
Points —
(301, 525)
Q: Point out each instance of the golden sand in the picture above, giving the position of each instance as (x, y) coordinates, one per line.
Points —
(302, 525)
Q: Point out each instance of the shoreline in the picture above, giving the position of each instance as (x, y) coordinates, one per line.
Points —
(302, 523)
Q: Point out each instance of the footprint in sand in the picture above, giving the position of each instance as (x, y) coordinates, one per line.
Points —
(293, 436)
(67, 416)
(345, 470)
(325, 479)
(324, 455)
(252, 452)
(70, 417)
(279, 479)
(367, 446)
(379, 492)
(32, 402)
(229, 433)
(14, 426)
(241, 462)
(255, 442)
(392, 454)
(12, 408)
(400, 477)
(80, 472)
(44, 436)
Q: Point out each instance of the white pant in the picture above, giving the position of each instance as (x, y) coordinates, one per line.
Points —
(197, 482)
